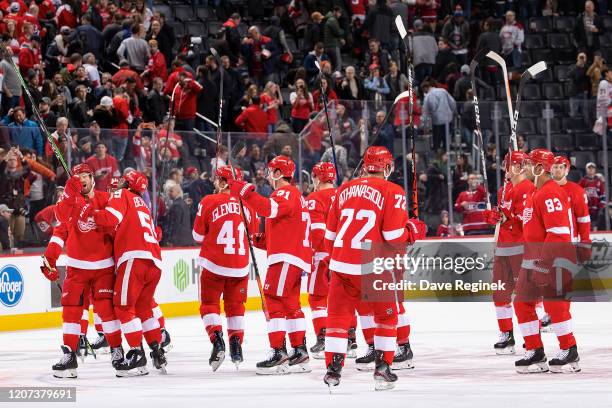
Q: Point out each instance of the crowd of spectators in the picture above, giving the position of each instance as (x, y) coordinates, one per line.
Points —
(106, 74)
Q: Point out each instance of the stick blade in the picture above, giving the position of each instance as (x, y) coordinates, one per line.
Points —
(496, 57)
(403, 95)
(318, 64)
(536, 68)
(213, 52)
(400, 27)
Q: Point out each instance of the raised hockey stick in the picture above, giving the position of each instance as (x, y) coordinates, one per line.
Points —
(220, 118)
(480, 142)
(399, 97)
(415, 191)
(329, 127)
(6, 55)
(502, 63)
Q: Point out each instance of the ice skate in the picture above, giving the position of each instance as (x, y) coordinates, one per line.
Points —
(275, 364)
(366, 362)
(100, 345)
(384, 378)
(217, 355)
(402, 360)
(299, 359)
(165, 342)
(546, 324)
(236, 350)
(84, 348)
(351, 350)
(318, 350)
(566, 361)
(66, 368)
(133, 364)
(505, 344)
(334, 371)
(533, 362)
(116, 356)
(157, 355)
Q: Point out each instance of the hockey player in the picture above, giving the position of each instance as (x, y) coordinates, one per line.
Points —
(548, 263)
(138, 259)
(319, 202)
(287, 243)
(370, 210)
(509, 248)
(224, 258)
(89, 261)
(580, 208)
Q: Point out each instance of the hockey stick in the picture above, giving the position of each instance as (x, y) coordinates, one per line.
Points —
(237, 148)
(415, 191)
(197, 132)
(48, 266)
(480, 142)
(6, 55)
(399, 97)
(502, 63)
(199, 115)
(329, 127)
(219, 119)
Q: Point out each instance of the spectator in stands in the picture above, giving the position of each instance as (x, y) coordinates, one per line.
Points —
(424, 51)
(580, 85)
(601, 218)
(512, 36)
(351, 87)
(156, 105)
(396, 80)
(156, 67)
(377, 55)
(29, 55)
(279, 140)
(489, 40)
(196, 186)
(253, 119)
(456, 32)
(178, 225)
(379, 23)
(594, 72)
(165, 40)
(135, 49)
(461, 173)
(522, 144)
(24, 132)
(48, 116)
(92, 69)
(84, 150)
(463, 84)
(375, 86)
(11, 87)
(471, 203)
(440, 107)
(79, 111)
(384, 130)
(104, 166)
(302, 105)
(5, 231)
(262, 186)
(444, 229)
(13, 178)
(312, 71)
(314, 31)
(184, 108)
(329, 93)
(143, 12)
(333, 37)
(271, 101)
(588, 28)
(41, 182)
(446, 62)
(594, 186)
(261, 56)
(604, 94)
(89, 36)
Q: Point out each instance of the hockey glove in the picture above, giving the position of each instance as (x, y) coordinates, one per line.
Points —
(259, 240)
(49, 269)
(542, 273)
(73, 189)
(493, 216)
(240, 188)
(584, 252)
(417, 230)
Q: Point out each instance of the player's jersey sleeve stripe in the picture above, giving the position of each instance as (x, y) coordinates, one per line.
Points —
(393, 234)
(197, 237)
(559, 230)
(116, 213)
(330, 235)
(317, 226)
(586, 218)
(273, 209)
(57, 240)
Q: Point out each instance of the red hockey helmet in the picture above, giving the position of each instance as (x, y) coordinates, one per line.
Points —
(284, 164)
(543, 157)
(225, 172)
(137, 182)
(563, 160)
(514, 157)
(82, 168)
(376, 159)
(325, 172)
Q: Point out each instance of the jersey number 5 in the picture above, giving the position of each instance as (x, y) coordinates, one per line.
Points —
(147, 224)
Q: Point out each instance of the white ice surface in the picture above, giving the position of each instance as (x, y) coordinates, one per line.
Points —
(454, 359)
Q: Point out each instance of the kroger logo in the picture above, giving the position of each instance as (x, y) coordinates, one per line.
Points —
(11, 285)
(181, 275)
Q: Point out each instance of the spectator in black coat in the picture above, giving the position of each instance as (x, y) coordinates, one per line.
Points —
(156, 105)
(588, 28)
(5, 238)
(446, 62)
(178, 227)
(580, 85)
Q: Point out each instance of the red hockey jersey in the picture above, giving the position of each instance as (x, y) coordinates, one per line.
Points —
(510, 241)
(46, 221)
(579, 204)
(220, 228)
(473, 215)
(135, 236)
(87, 246)
(595, 190)
(365, 210)
(547, 220)
(287, 226)
(319, 203)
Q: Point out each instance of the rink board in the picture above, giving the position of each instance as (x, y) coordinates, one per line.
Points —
(29, 301)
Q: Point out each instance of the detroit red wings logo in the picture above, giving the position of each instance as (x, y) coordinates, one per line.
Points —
(86, 226)
(527, 214)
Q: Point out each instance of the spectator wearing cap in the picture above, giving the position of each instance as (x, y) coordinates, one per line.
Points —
(376, 55)
(282, 137)
(104, 114)
(317, 96)
(48, 116)
(588, 27)
(15, 12)
(12, 189)
(310, 60)
(425, 50)
(24, 132)
(396, 80)
(351, 87)
(253, 119)
(5, 233)
(156, 67)
(375, 85)
(11, 86)
(456, 31)
(463, 84)
(333, 37)
(135, 49)
(97, 135)
(104, 166)
(512, 35)
(124, 73)
(471, 204)
(84, 150)
(595, 188)
(440, 107)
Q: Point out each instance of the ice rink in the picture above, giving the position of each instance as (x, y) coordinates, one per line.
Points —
(455, 366)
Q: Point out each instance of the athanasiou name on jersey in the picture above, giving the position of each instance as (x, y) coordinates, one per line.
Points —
(362, 191)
